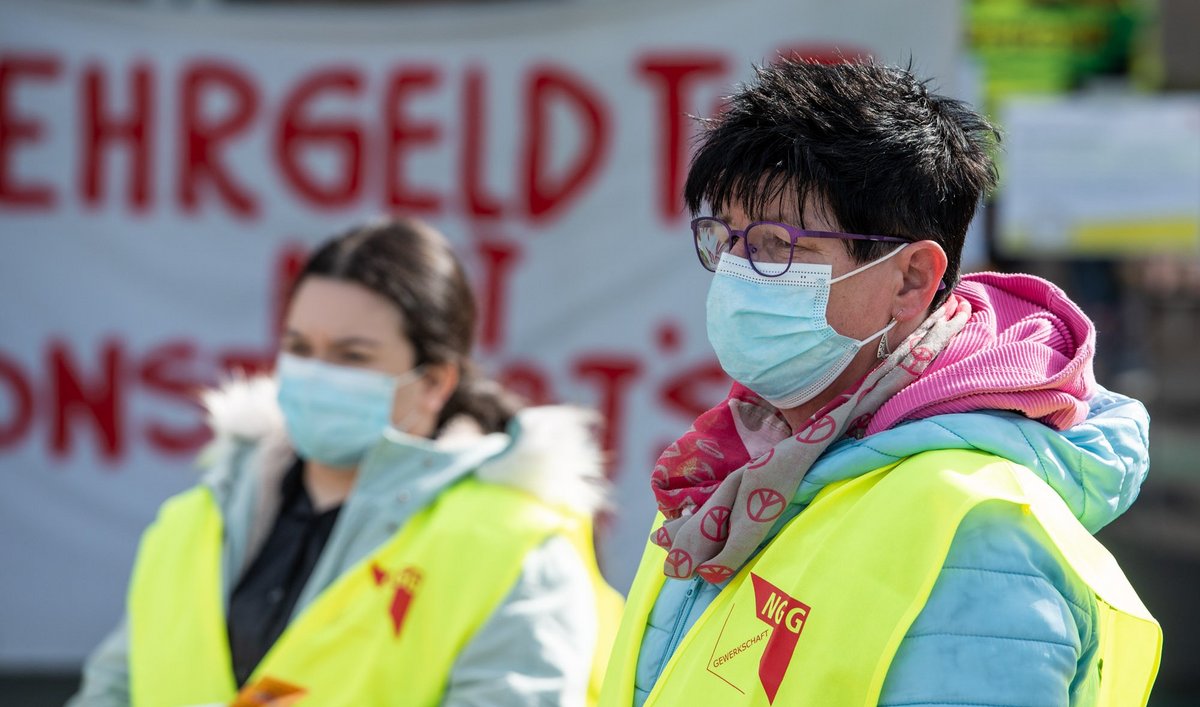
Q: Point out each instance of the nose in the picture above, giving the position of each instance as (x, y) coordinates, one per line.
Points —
(738, 247)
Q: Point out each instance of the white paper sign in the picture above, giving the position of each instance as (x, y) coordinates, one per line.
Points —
(1103, 175)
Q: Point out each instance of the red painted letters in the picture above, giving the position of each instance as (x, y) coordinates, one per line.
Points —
(298, 131)
(100, 129)
(16, 128)
(203, 136)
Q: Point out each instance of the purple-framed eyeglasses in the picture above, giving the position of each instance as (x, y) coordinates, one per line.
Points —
(769, 244)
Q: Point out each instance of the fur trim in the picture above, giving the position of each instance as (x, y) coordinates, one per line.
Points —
(554, 454)
(555, 457)
(244, 408)
(243, 412)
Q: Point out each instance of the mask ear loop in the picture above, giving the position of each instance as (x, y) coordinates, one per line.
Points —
(871, 264)
(405, 379)
(884, 349)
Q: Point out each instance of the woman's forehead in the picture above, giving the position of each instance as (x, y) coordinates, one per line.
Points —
(342, 308)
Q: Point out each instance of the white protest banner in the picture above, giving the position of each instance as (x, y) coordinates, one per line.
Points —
(1104, 175)
(162, 174)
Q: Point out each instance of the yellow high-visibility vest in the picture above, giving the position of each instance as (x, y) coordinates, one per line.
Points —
(386, 632)
(816, 618)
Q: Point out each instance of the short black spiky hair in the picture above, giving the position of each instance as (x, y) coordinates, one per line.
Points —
(871, 142)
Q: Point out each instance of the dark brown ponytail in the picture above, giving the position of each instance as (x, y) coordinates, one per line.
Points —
(480, 398)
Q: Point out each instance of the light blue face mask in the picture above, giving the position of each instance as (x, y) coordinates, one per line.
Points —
(771, 334)
(335, 414)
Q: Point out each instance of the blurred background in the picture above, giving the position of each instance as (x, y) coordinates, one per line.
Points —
(165, 165)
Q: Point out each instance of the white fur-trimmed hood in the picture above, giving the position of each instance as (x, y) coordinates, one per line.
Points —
(553, 453)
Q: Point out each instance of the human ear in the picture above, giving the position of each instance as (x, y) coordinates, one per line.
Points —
(440, 381)
(922, 265)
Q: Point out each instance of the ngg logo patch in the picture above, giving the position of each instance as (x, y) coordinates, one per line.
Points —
(403, 583)
(786, 616)
(745, 655)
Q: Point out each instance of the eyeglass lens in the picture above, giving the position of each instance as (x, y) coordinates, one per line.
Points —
(768, 246)
(712, 239)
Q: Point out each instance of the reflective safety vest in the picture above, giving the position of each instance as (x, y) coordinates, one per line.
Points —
(387, 631)
(816, 618)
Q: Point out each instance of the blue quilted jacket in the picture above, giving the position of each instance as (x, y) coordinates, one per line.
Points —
(1005, 625)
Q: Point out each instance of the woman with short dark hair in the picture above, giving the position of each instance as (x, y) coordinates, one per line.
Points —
(894, 504)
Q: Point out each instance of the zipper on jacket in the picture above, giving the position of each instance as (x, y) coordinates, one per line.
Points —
(685, 609)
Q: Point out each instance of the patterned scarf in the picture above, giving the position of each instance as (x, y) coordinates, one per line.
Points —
(723, 484)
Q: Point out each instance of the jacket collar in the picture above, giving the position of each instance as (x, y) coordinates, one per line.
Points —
(548, 451)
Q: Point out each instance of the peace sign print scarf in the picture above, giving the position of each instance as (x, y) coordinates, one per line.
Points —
(723, 484)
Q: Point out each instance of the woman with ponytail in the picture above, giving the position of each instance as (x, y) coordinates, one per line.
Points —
(378, 523)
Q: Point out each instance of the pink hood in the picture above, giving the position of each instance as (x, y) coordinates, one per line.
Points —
(1026, 348)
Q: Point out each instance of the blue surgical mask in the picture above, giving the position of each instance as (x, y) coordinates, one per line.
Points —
(770, 333)
(335, 414)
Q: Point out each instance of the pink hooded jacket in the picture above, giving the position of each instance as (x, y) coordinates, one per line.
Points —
(1026, 348)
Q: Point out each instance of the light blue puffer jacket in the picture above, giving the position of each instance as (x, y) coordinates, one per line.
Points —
(1005, 625)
